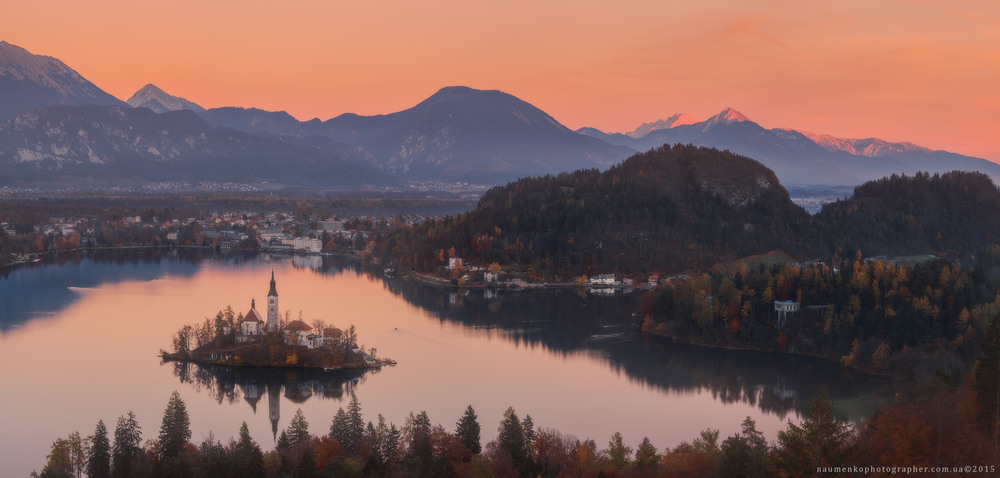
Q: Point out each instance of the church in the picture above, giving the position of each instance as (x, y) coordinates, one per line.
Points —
(254, 327)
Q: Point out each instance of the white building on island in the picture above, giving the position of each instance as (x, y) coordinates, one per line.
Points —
(254, 327)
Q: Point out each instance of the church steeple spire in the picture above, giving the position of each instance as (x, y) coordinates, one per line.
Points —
(272, 306)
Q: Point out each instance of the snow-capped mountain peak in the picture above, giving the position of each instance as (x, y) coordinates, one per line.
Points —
(19, 64)
(870, 147)
(29, 81)
(152, 97)
(679, 119)
(727, 116)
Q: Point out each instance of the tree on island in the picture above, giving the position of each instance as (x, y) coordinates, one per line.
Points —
(182, 339)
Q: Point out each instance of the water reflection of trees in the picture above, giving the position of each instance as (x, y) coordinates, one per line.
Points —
(568, 322)
(228, 384)
(251, 384)
(38, 290)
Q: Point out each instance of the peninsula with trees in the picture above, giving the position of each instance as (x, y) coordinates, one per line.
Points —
(252, 341)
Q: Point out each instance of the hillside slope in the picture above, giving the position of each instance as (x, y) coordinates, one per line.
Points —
(671, 208)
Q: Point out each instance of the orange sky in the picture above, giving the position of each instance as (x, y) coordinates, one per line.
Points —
(921, 71)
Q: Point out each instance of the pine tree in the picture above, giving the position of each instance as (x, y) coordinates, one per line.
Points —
(176, 428)
(283, 442)
(247, 457)
(338, 429)
(355, 428)
(99, 458)
(467, 430)
(510, 437)
(645, 456)
(745, 454)
(298, 429)
(529, 431)
(384, 440)
(128, 437)
(391, 442)
(419, 431)
(821, 441)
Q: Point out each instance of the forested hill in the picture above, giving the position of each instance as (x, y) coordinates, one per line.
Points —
(670, 208)
(955, 213)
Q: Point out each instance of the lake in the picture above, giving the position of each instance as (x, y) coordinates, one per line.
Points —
(79, 338)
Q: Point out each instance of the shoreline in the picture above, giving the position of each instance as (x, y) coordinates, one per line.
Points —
(174, 357)
(709, 345)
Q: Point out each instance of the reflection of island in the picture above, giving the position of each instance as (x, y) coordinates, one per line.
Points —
(230, 384)
(567, 322)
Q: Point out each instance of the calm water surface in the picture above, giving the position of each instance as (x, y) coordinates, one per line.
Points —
(79, 342)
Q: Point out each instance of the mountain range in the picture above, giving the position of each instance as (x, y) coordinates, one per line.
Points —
(56, 124)
(799, 157)
(116, 145)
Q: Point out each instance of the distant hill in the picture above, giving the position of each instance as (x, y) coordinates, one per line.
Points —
(152, 97)
(671, 208)
(124, 145)
(800, 157)
(29, 81)
(253, 120)
(953, 213)
(457, 134)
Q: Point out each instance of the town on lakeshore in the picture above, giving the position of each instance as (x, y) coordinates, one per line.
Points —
(249, 340)
(276, 233)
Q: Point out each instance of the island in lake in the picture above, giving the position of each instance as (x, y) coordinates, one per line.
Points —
(251, 341)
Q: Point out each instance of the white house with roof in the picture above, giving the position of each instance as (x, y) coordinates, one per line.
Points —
(296, 332)
(783, 308)
(602, 279)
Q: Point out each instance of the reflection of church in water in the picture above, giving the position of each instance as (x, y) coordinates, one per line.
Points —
(226, 384)
(253, 392)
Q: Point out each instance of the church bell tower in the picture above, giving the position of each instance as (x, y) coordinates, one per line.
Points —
(272, 306)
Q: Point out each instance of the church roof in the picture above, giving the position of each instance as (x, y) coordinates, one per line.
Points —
(332, 332)
(297, 326)
(253, 316)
